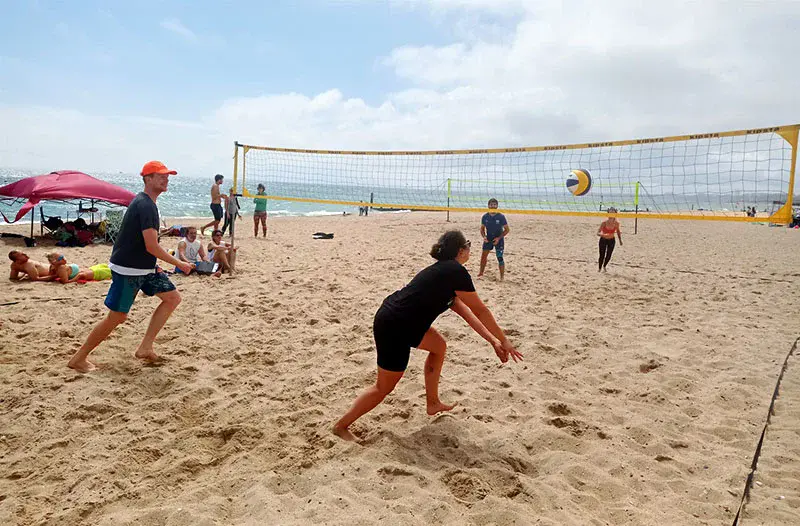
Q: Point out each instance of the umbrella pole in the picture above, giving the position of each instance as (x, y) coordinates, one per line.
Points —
(33, 213)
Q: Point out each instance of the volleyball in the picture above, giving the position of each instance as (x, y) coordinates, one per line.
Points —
(579, 182)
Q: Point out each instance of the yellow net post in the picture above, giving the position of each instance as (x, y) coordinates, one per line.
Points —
(784, 214)
(235, 191)
(636, 205)
(448, 199)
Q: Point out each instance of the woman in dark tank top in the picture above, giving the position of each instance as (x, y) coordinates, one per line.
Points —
(404, 321)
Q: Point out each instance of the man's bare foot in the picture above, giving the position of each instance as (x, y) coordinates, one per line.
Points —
(82, 366)
(439, 407)
(148, 355)
(217, 273)
(480, 276)
(344, 434)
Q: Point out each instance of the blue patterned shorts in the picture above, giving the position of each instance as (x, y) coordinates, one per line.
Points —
(124, 289)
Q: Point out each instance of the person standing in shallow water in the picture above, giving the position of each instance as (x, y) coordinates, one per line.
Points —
(404, 321)
(133, 268)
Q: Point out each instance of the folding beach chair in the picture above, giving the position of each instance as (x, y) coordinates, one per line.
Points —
(113, 224)
(51, 224)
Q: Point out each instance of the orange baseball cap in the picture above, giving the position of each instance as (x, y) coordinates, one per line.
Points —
(157, 167)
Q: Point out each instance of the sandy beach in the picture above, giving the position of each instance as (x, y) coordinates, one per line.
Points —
(640, 401)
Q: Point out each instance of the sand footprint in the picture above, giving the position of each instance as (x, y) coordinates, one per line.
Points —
(464, 486)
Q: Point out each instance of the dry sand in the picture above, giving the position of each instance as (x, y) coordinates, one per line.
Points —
(640, 401)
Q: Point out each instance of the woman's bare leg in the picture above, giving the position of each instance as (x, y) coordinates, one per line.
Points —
(436, 347)
(83, 275)
(367, 401)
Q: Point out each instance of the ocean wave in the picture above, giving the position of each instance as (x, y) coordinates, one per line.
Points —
(317, 213)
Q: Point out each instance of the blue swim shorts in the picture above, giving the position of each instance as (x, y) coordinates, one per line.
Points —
(124, 289)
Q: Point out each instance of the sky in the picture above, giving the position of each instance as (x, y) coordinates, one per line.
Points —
(107, 85)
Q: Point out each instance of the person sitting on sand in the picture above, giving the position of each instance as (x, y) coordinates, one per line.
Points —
(220, 251)
(64, 272)
(404, 321)
(23, 267)
(191, 250)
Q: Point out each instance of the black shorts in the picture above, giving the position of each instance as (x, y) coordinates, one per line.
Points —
(216, 209)
(390, 341)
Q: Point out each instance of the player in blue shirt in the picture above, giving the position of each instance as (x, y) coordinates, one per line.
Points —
(494, 229)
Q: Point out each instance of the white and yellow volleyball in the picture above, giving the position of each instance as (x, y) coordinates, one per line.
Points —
(579, 182)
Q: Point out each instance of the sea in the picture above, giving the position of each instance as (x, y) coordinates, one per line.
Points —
(186, 197)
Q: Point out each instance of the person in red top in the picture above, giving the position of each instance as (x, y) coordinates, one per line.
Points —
(607, 229)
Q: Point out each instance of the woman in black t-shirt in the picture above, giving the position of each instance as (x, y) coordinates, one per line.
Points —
(404, 321)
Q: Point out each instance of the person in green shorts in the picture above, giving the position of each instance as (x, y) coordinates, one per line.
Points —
(260, 214)
(64, 272)
(99, 272)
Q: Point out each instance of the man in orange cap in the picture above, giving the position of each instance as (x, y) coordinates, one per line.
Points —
(133, 268)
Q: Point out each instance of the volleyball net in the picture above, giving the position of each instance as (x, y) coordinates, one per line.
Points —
(716, 176)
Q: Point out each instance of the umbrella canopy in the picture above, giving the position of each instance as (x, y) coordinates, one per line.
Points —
(63, 185)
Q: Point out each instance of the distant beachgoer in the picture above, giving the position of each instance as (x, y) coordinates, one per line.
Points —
(231, 211)
(494, 229)
(260, 213)
(133, 268)
(404, 321)
(60, 270)
(174, 230)
(23, 267)
(607, 229)
(220, 251)
(191, 250)
(216, 203)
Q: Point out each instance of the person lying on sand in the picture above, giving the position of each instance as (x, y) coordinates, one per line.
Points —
(404, 321)
(23, 267)
(64, 272)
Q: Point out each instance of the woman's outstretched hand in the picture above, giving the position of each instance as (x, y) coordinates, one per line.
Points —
(501, 352)
(504, 350)
(515, 354)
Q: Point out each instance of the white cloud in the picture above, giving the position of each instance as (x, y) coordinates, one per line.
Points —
(556, 73)
(174, 25)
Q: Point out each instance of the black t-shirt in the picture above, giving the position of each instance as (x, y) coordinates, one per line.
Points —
(417, 305)
(129, 249)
